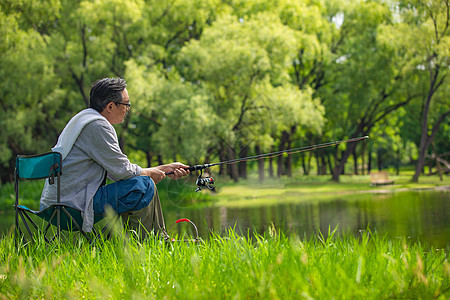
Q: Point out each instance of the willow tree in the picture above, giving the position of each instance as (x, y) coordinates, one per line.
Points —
(310, 58)
(365, 80)
(234, 60)
(29, 89)
(421, 38)
(171, 119)
(157, 125)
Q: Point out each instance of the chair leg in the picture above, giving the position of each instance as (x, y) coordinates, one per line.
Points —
(35, 225)
(17, 230)
(25, 223)
(76, 224)
(49, 224)
(19, 233)
(26, 219)
(58, 221)
(95, 231)
(23, 214)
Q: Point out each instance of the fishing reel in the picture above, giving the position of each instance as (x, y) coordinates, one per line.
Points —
(204, 182)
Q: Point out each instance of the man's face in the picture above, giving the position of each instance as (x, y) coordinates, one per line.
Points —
(119, 111)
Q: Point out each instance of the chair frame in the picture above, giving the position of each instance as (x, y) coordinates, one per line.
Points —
(23, 212)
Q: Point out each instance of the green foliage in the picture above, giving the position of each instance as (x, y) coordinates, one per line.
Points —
(27, 91)
(205, 76)
(420, 41)
(243, 63)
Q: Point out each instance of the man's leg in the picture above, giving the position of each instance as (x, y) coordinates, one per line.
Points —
(147, 219)
(136, 200)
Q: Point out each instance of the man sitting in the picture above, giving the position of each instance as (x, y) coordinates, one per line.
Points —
(91, 152)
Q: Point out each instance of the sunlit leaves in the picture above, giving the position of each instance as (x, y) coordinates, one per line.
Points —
(26, 83)
(420, 40)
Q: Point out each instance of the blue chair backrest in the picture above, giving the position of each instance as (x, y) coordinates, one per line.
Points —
(38, 166)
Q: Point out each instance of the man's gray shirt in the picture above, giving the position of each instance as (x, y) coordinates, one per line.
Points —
(95, 151)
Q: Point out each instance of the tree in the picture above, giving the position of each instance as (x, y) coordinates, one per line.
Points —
(29, 89)
(367, 85)
(429, 61)
(310, 58)
(157, 124)
(239, 61)
(171, 117)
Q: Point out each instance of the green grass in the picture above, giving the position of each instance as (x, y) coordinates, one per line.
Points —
(226, 267)
(273, 266)
(252, 192)
(29, 193)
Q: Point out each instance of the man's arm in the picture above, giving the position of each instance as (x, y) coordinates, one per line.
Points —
(100, 143)
(159, 173)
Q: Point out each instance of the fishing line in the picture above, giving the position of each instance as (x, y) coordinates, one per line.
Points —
(208, 182)
(274, 154)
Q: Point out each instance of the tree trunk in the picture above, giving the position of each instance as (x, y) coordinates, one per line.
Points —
(321, 162)
(289, 165)
(323, 166)
(306, 162)
(305, 172)
(426, 139)
(260, 164)
(289, 157)
(397, 163)
(280, 169)
(243, 164)
(283, 141)
(271, 171)
(233, 169)
(317, 162)
(149, 157)
(355, 162)
(339, 169)
(330, 163)
(308, 166)
(363, 158)
(222, 157)
(379, 160)
(438, 164)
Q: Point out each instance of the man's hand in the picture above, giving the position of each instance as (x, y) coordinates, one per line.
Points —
(154, 173)
(179, 170)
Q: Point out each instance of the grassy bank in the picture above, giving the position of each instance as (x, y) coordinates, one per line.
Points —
(227, 267)
(313, 188)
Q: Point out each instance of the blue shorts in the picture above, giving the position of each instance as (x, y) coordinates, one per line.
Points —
(126, 195)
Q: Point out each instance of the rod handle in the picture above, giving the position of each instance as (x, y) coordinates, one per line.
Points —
(194, 168)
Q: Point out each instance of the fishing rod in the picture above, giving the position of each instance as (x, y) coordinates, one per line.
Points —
(209, 181)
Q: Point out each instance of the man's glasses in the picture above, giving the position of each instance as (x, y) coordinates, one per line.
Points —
(126, 104)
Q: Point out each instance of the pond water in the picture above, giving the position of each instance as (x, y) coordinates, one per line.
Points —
(414, 215)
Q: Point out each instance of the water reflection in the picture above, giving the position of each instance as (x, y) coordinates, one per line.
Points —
(421, 216)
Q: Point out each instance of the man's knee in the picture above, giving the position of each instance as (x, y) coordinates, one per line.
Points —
(128, 195)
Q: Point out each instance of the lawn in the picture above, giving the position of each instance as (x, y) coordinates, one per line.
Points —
(252, 192)
(272, 266)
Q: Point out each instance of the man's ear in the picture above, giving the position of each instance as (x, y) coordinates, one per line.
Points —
(109, 106)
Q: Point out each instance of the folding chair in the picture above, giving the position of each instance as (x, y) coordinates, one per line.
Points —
(47, 166)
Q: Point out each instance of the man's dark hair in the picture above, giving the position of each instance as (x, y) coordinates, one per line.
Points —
(106, 90)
